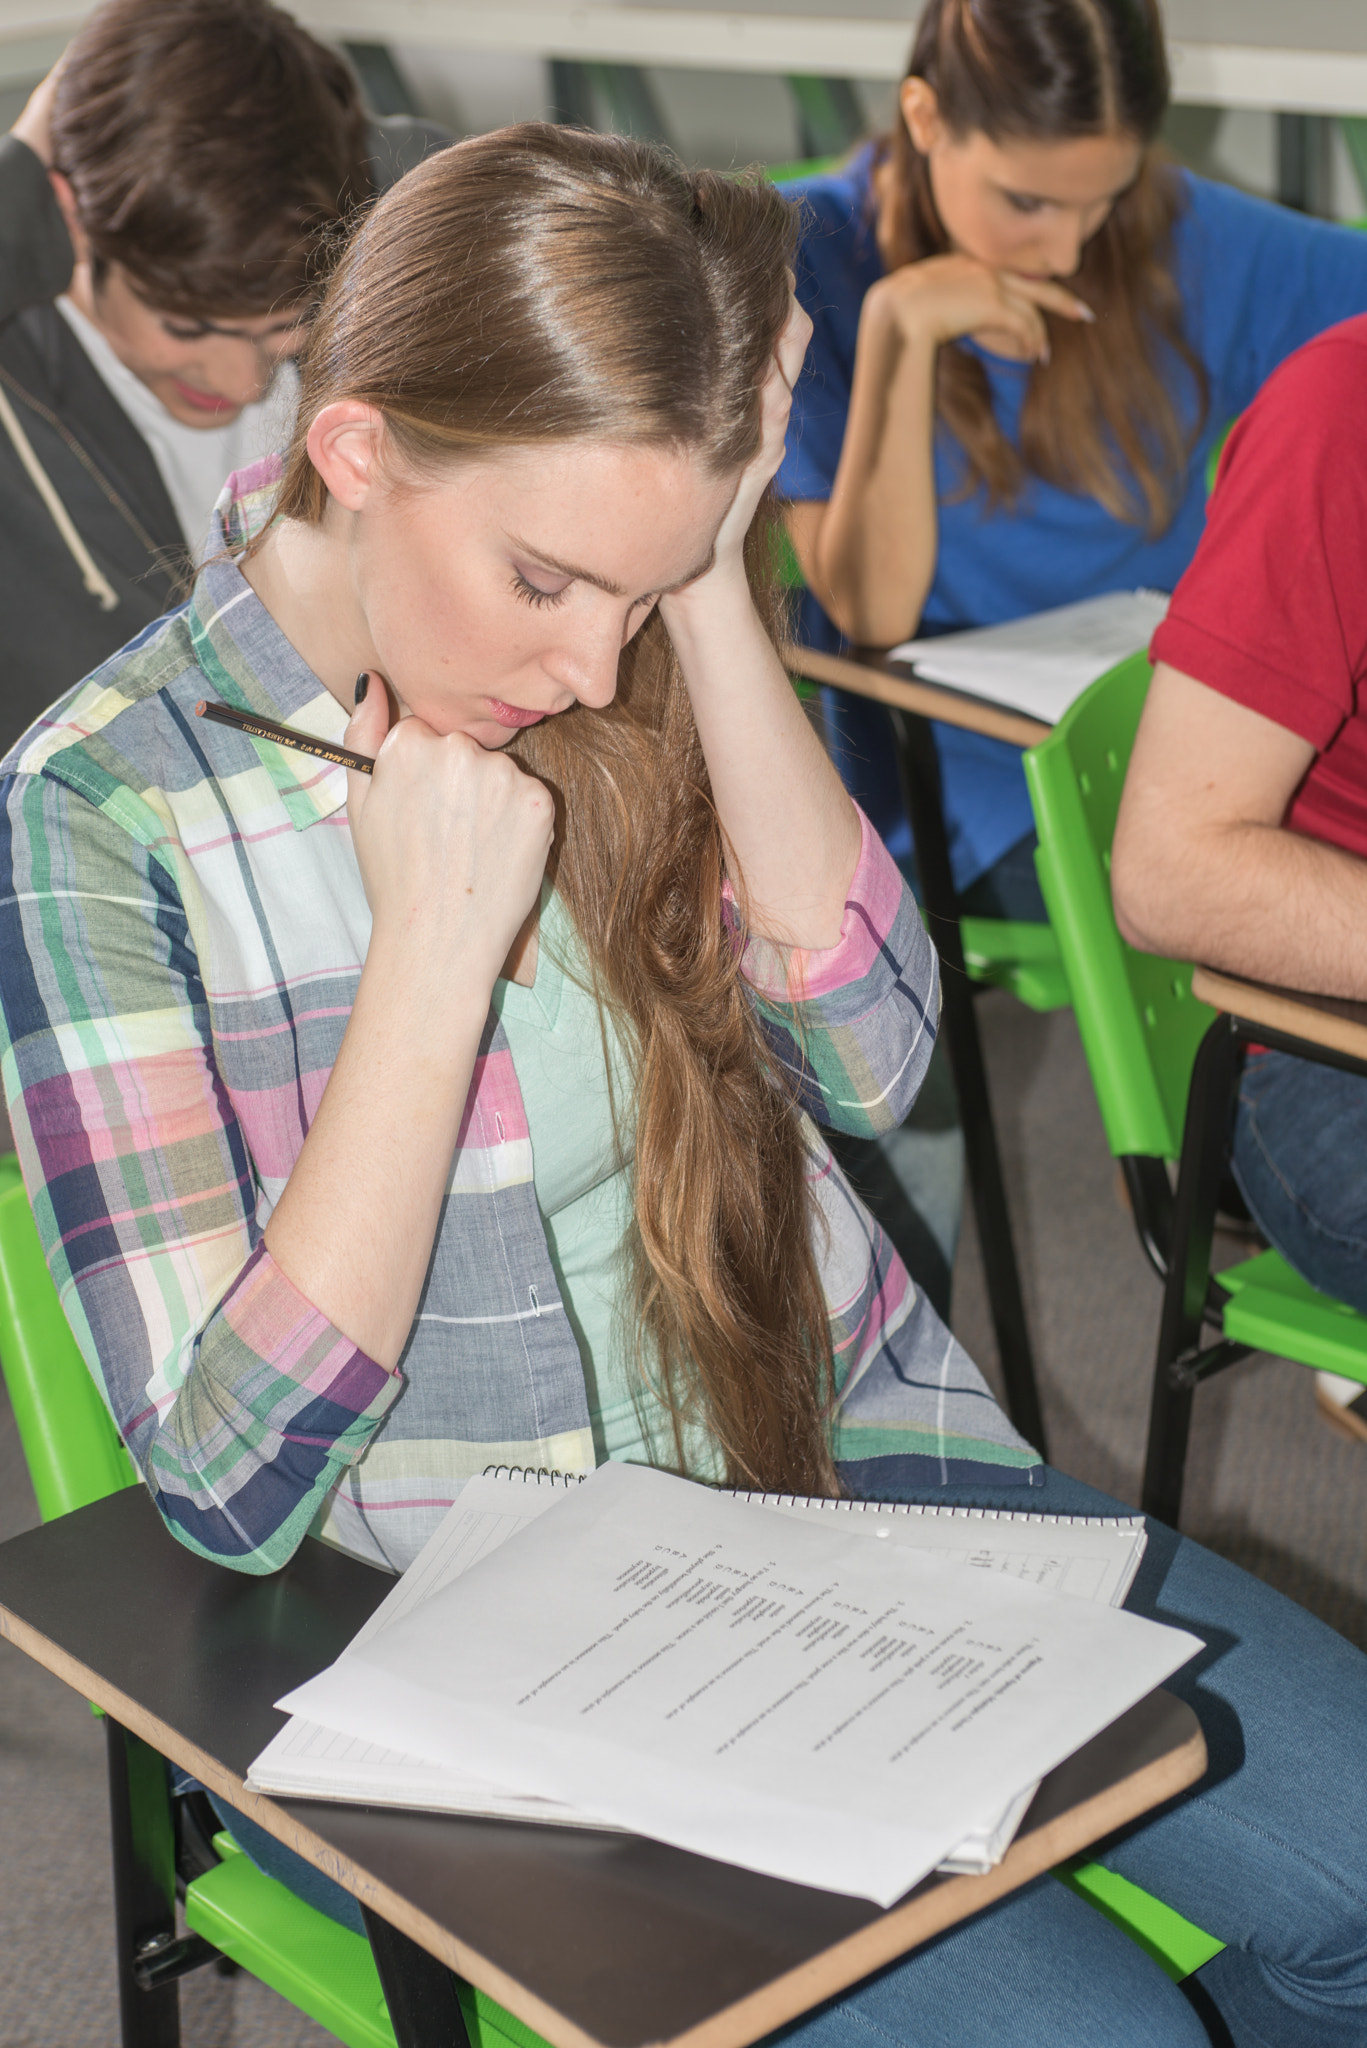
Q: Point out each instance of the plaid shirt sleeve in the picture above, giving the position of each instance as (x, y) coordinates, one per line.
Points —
(853, 1026)
(239, 1402)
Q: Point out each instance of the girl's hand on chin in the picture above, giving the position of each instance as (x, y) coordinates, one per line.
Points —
(451, 841)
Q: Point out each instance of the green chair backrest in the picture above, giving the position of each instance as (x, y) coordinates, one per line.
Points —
(811, 167)
(71, 1446)
(1139, 1021)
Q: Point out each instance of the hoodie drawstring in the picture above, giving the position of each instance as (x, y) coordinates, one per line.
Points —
(95, 582)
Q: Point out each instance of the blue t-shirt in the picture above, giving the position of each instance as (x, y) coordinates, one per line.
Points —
(1256, 280)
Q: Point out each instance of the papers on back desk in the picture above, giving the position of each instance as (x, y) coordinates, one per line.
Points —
(767, 1690)
(1041, 664)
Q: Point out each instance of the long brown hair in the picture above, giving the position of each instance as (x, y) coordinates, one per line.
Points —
(542, 284)
(1101, 417)
(213, 148)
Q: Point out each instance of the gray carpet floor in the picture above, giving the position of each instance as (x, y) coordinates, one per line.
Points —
(1269, 1485)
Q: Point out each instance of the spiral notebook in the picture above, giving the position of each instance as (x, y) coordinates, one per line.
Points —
(1089, 1559)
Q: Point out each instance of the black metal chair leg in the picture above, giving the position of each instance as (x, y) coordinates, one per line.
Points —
(420, 1991)
(144, 1848)
(920, 772)
(1210, 1103)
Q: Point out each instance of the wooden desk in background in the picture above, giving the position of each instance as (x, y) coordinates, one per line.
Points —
(1330, 1022)
(596, 1941)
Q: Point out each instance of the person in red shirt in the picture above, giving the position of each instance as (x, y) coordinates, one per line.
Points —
(1242, 838)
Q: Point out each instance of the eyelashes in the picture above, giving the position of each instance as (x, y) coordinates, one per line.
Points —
(530, 593)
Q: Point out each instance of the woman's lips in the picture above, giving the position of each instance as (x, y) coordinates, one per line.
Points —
(509, 714)
(204, 401)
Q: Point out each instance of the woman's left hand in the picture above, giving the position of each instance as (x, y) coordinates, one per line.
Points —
(776, 402)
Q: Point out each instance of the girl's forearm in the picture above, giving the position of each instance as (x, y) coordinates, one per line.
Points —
(792, 832)
(355, 1225)
(876, 543)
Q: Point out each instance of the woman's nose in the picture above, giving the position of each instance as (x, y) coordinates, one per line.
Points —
(1065, 247)
(589, 669)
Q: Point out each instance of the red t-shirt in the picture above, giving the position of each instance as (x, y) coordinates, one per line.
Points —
(1273, 610)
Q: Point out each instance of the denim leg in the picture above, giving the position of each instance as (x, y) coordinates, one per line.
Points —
(1039, 1970)
(1300, 1157)
(1270, 1852)
(306, 1882)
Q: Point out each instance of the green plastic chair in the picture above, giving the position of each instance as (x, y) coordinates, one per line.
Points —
(74, 1456)
(1164, 1067)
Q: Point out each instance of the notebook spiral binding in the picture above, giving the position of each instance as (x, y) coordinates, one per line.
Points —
(543, 1475)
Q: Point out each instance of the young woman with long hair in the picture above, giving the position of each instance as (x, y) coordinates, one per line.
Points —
(465, 1113)
(1031, 328)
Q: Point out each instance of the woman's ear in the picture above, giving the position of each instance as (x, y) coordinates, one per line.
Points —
(344, 445)
(920, 106)
(66, 199)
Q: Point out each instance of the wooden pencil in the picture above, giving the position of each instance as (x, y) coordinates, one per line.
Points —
(302, 742)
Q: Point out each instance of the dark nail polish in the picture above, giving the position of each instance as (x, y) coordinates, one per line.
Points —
(362, 685)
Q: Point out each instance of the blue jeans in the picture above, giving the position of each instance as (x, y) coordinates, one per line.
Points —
(1269, 1854)
(1300, 1157)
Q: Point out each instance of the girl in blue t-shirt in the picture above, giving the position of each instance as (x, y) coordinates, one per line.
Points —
(1031, 329)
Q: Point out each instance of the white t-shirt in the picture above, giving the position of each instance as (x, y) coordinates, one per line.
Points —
(195, 462)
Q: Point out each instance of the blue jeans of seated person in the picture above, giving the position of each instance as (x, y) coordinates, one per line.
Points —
(1269, 1854)
(1299, 1155)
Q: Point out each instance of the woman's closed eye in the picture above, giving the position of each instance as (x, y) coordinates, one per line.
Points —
(528, 592)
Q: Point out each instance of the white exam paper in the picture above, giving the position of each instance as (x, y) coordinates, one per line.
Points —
(1040, 665)
(776, 1694)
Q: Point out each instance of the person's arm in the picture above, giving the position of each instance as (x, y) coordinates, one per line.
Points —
(852, 1026)
(1203, 867)
(792, 834)
(452, 845)
(868, 554)
(239, 1404)
(246, 1369)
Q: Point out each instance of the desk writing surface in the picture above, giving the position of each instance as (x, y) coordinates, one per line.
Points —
(1332, 1021)
(870, 674)
(590, 1938)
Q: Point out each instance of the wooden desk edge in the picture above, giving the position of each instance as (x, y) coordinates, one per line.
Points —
(735, 2026)
(1279, 1010)
(920, 1919)
(909, 693)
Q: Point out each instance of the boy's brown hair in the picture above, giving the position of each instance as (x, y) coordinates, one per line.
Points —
(213, 147)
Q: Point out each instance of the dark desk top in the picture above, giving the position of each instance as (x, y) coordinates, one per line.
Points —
(589, 1938)
(868, 673)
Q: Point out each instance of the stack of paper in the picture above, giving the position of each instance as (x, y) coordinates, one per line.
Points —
(1042, 664)
(1092, 1558)
(774, 1690)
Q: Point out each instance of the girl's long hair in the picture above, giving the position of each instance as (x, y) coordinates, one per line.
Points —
(542, 284)
(1105, 417)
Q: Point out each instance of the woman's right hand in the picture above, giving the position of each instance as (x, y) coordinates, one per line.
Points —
(452, 842)
(943, 298)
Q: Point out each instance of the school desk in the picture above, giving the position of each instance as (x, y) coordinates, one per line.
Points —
(596, 1941)
(1330, 1022)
